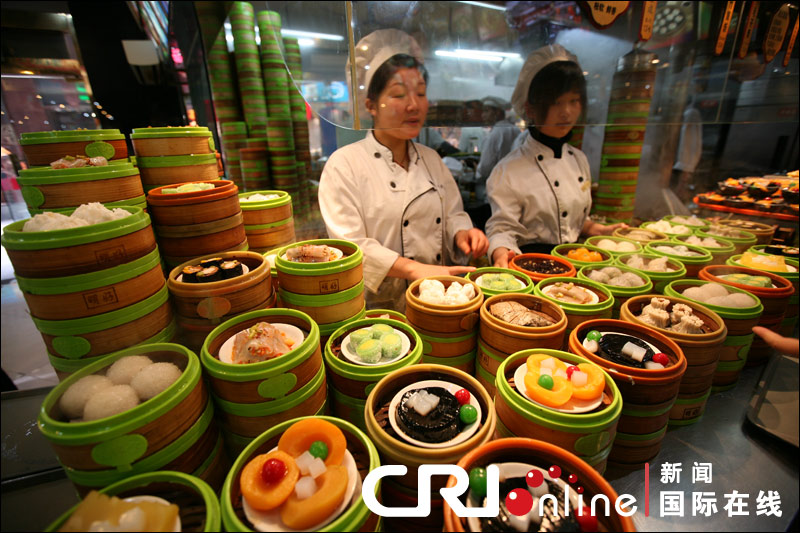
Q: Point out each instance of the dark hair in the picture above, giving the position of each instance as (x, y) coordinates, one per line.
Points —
(388, 69)
(553, 81)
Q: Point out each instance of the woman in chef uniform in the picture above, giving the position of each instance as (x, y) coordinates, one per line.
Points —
(540, 193)
(394, 198)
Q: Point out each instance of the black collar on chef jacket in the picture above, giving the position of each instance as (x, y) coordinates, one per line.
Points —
(380, 151)
(554, 143)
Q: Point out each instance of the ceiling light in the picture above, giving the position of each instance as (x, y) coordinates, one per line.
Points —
(478, 57)
(305, 42)
(489, 6)
(29, 72)
(312, 35)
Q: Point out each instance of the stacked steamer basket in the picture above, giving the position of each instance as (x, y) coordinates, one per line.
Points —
(255, 167)
(138, 418)
(620, 292)
(545, 327)
(198, 505)
(223, 81)
(114, 185)
(560, 466)
(174, 155)
(252, 397)
(404, 436)
(527, 405)
(648, 394)
(448, 331)
(660, 279)
(352, 378)
(631, 92)
(191, 224)
(325, 279)
(581, 300)
(739, 321)
(202, 306)
(496, 280)
(775, 296)
(43, 147)
(248, 69)
(92, 290)
(297, 104)
(791, 273)
(702, 352)
(268, 224)
(338, 503)
(234, 137)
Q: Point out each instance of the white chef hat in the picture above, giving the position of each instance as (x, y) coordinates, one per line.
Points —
(537, 60)
(494, 101)
(373, 51)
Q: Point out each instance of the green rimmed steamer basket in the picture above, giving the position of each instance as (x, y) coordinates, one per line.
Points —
(175, 430)
(789, 322)
(620, 294)
(158, 171)
(253, 397)
(693, 264)
(527, 287)
(660, 280)
(740, 322)
(115, 185)
(268, 224)
(577, 313)
(597, 238)
(587, 435)
(563, 249)
(351, 383)
(719, 255)
(171, 141)
(43, 147)
(198, 505)
(742, 242)
(356, 517)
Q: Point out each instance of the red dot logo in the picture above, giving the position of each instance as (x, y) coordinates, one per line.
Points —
(519, 502)
(572, 478)
(579, 490)
(555, 472)
(534, 478)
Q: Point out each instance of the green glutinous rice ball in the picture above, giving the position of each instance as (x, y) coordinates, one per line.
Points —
(369, 351)
(391, 344)
(358, 337)
(379, 330)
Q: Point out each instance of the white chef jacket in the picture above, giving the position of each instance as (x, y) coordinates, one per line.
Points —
(366, 198)
(496, 146)
(537, 198)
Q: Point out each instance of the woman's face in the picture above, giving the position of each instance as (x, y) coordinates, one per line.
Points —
(402, 105)
(562, 115)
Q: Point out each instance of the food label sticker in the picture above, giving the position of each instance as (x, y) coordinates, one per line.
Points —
(648, 16)
(99, 298)
(749, 25)
(776, 34)
(724, 27)
(329, 286)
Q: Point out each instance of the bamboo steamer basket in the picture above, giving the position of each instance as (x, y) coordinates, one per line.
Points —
(351, 383)
(702, 351)
(460, 319)
(775, 301)
(193, 208)
(648, 396)
(562, 250)
(741, 242)
(169, 141)
(198, 506)
(672, 234)
(536, 277)
(107, 332)
(446, 345)
(326, 308)
(325, 330)
(655, 236)
(660, 280)
(356, 517)
(48, 189)
(43, 147)
(527, 283)
(193, 240)
(393, 450)
(170, 169)
(577, 313)
(171, 430)
(321, 278)
(85, 295)
(596, 239)
(386, 313)
(464, 362)
(65, 367)
(762, 232)
(705, 222)
(266, 211)
(719, 255)
(620, 294)
(588, 435)
(544, 455)
(739, 321)
(68, 252)
(265, 237)
(693, 264)
(789, 321)
(173, 261)
(253, 397)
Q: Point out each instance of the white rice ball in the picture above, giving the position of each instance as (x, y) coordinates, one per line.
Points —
(740, 299)
(153, 379)
(721, 301)
(611, 272)
(74, 399)
(715, 289)
(123, 369)
(607, 244)
(695, 293)
(109, 402)
(625, 246)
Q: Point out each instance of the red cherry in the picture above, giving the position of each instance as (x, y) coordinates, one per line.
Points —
(586, 521)
(534, 478)
(273, 471)
(519, 502)
(555, 472)
(462, 395)
(572, 478)
(661, 358)
(570, 370)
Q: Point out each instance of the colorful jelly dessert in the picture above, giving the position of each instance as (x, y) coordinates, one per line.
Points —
(549, 381)
(100, 512)
(747, 279)
(773, 263)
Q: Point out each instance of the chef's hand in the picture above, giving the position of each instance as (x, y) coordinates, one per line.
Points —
(784, 345)
(409, 269)
(472, 241)
(502, 256)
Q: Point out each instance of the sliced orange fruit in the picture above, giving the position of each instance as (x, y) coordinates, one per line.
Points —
(301, 435)
(594, 385)
(331, 487)
(264, 496)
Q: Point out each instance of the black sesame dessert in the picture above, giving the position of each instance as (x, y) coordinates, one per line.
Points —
(433, 414)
